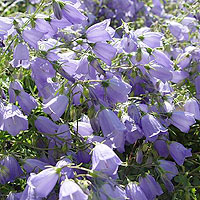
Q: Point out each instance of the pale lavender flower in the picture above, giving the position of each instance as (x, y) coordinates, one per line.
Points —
(192, 106)
(179, 152)
(105, 160)
(70, 190)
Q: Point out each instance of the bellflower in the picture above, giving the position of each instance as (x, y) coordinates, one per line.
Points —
(105, 52)
(56, 107)
(160, 72)
(35, 165)
(65, 171)
(109, 190)
(151, 127)
(72, 14)
(32, 37)
(14, 87)
(26, 102)
(70, 190)
(161, 147)
(150, 187)
(57, 10)
(84, 128)
(98, 32)
(118, 90)
(134, 192)
(179, 31)
(109, 122)
(44, 182)
(45, 125)
(14, 120)
(182, 120)
(21, 56)
(192, 106)
(152, 39)
(9, 169)
(105, 160)
(129, 44)
(170, 170)
(179, 152)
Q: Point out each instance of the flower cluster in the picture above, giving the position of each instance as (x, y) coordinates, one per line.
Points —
(97, 99)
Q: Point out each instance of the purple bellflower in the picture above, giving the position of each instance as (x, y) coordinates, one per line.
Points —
(73, 15)
(151, 127)
(179, 152)
(21, 56)
(56, 107)
(70, 190)
(14, 121)
(182, 120)
(32, 37)
(192, 106)
(99, 32)
(118, 90)
(134, 192)
(44, 182)
(150, 187)
(105, 160)
(105, 52)
(9, 169)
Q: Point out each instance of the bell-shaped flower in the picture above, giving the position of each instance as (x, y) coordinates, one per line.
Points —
(45, 125)
(15, 88)
(26, 102)
(104, 51)
(160, 72)
(109, 190)
(9, 169)
(118, 90)
(44, 182)
(152, 39)
(57, 10)
(14, 120)
(178, 152)
(84, 128)
(56, 107)
(182, 120)
(34, 165)
(161, 147)
(105, 160)
(66, 172)
(179, 31)
(134, 192)
(109, 122)
(169, 168)
(21, 56)
(151, 127)
(129, 45)
(70, 190)
(98, 32)
(192, 106)
(32, 37)
(150, 187)
(73, 15)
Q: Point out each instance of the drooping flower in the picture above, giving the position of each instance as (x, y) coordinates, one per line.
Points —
(99, 32)
(14, 121)
(134, 192)
(45, 125)
(182, 120)
(192, 106)
(44, 182)
(70, 190)
(56, 107)
(151, 127)
(118, 90)
(32, 37)
(72, 14)
(9, 169)
(179, 152)
(105, 160)
(21, 56)
(104, 51)
(150, 187)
